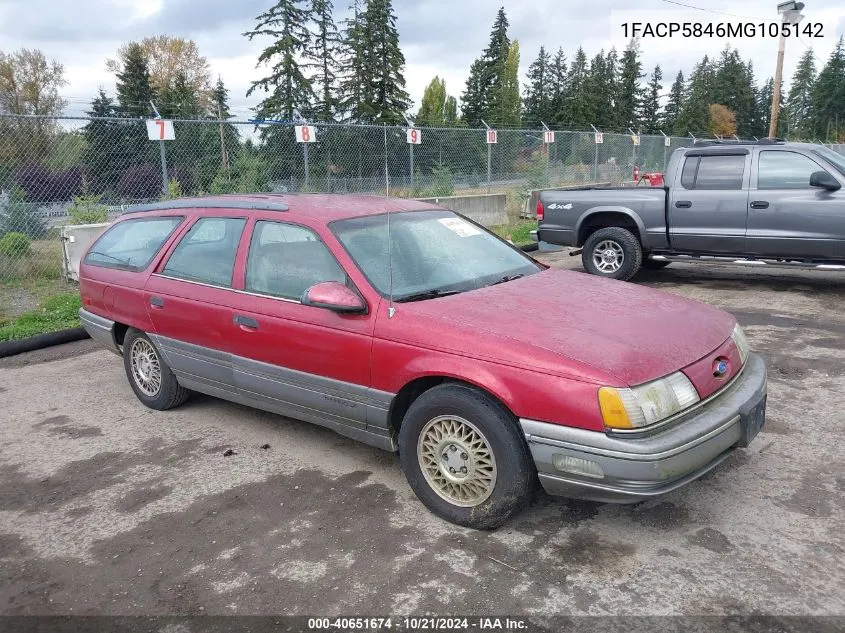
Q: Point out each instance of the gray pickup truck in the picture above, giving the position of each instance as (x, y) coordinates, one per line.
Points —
(767, 202)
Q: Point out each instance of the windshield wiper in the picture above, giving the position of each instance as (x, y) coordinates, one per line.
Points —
(427, 294)
(507, 278)
(122, 260)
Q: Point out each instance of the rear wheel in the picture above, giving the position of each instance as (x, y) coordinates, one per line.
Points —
(465, 458)
(612, 252)
(149, 376)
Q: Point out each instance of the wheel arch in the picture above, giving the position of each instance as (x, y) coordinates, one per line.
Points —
(414, 388)
(606, 217)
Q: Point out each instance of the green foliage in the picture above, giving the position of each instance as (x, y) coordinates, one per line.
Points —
(674, 104)
(59, 312)
(87, 209)
(509, 102)
(14, 245)
(442, 183)
(19, 216)
(323, 55)
(484, 88)
(288, 87)
(434, 103)
(629, 95)
(68, 151)
(829, 96)
(651, 116)
(799, 102)
(174, 190)
(541, 90)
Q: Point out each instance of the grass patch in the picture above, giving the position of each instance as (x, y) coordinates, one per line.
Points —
(518, 232)
(59, 312)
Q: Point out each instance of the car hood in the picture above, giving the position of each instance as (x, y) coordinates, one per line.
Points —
(571, 324)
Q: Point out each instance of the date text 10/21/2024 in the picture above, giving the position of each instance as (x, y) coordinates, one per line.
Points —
(421, 623)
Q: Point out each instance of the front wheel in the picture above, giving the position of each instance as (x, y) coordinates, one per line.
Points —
(612, 252)
(465, 458)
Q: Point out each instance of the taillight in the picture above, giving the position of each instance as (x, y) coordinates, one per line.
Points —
(541, 212)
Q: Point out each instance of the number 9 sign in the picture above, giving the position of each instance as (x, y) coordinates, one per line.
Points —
(414, 136)
(306, 134)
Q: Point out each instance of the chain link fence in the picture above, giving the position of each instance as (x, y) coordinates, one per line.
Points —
(57, 171)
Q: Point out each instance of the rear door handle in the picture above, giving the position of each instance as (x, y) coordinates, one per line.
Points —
(759, 204)
(246, 322)
(157, 302)
(683, 204)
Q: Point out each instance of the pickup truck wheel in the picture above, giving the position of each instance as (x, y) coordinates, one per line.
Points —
(149, 376)
(612, 252)
(654, 264)
(465, 458)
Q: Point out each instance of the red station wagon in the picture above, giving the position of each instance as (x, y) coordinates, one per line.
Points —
(411, 328)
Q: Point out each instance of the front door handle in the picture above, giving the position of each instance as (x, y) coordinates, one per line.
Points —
(246, 322)
(759, 204)
(683, 204)
(157, 302)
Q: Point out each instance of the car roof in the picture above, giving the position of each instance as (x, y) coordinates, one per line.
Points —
(327, 206)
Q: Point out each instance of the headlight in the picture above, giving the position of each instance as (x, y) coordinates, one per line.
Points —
(646, 404)
(741, 343)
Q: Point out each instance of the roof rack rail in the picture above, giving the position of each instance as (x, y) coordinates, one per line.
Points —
(717, 142)
(201, 203)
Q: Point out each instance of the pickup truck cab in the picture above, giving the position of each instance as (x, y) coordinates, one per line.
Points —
(763, 203)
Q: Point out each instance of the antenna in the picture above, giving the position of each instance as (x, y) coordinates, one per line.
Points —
(390, 309)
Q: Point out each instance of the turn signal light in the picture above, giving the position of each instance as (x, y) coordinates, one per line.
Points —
(541, 212)
(613, 409)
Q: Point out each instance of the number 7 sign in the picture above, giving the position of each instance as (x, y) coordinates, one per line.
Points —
(160, 130)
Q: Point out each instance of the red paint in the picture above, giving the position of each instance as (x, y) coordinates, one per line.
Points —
(333, 294)
(542, 344)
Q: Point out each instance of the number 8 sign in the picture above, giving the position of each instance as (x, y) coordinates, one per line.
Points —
(306, 134)
(414, 136)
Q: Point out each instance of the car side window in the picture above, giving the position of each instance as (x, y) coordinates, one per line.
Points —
(285, 260)
(785, 170)
(688, 172)
(206, 253)
(132, 244)
(719, 172)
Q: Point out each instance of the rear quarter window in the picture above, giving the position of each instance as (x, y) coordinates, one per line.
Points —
(132, 244)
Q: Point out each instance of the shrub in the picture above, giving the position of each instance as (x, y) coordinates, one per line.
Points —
(186, 179)
(87, 209)
(140, 183)
(174, 190)
(41, 185)
(442, 182)
(15, 245)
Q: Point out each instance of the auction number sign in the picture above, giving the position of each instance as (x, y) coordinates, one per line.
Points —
(492, 137)
(548, 136)
(160, 130)
(414, 136)
(306, 134)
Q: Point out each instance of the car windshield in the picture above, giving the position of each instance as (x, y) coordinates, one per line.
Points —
(432, 253)
(834, 158)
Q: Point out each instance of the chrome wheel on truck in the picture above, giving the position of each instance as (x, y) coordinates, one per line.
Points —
(465, 456)
(612, 252)
(608, 256)
(456, 460)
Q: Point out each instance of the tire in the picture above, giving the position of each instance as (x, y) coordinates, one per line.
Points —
(454, 418)
(140, 354)
(654, 264)
(603, 244)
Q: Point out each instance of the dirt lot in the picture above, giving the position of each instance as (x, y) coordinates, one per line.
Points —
(109, 508)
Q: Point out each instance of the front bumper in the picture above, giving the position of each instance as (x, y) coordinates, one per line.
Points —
(627, 469)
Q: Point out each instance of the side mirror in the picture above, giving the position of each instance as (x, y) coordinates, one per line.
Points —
(334, 296)
(824, 180)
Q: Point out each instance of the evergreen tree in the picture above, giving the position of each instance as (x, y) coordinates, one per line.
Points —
(734, 87)
(629, 95)
(102, 145)
(576, 112)
(134, 92)
(764, 111)
(384, 66)
(560, 82)
(541, 89)
(651, 116)
(323, 54)
(695, 114)
(596, 107)
(829, 97)
(221, 142)
(286, 86)
(799, 102)
(354, 87)
(450, 111)
(482, 98)
(510, 103)
(609, 80)
(675, 103)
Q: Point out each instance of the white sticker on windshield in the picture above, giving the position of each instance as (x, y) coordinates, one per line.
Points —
(459, 226)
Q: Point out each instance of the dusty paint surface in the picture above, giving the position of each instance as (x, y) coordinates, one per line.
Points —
(109, 508)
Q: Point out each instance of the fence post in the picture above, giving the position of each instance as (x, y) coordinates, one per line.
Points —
(164, 178)
(489, 158)
(386, 174)
(596, 159)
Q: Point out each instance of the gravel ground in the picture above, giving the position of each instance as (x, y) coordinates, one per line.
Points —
(109, 508)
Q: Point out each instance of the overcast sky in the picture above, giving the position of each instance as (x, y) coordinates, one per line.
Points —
(438, 37)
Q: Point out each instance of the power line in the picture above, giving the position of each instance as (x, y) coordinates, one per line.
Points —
(689, 6)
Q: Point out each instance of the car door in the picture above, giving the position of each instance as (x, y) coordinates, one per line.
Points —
(190, 302)
(788, 217)
(708, 209)
(306, 362)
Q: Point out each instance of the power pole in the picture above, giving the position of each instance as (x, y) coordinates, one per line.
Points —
(790, 15)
